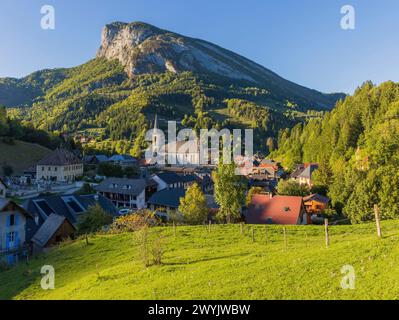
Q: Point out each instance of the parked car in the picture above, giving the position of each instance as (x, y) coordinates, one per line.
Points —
(125, 211)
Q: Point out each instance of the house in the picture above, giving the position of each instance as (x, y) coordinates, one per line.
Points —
(95, 159)
(69, 207)
(267, 169)
(13, 221)
(29, 175)
(166, 199)
(315, 203)
(124, 160)
(127, 193)
(305, 177)
(59, 166)
(55, 229)
(3, 189)
(285, 210)
(172, 180)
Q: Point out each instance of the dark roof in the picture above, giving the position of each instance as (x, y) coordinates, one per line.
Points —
(277, 210)
(5, 202)
(167, 197)
(98, 157)
(172, 177)
(47, 229)
(58, 204)
(60, 157)
(316, 197)
(133, 187)
(297, 171)
(307, 173)
(122, 157)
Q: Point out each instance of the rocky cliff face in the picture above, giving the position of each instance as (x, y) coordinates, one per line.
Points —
(142, 48)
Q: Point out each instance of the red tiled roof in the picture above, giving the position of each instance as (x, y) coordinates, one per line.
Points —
(277, 210)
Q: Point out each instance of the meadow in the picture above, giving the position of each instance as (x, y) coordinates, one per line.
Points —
(221, 264)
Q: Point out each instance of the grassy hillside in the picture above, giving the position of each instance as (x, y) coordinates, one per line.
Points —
(21, 155)
(222, 264)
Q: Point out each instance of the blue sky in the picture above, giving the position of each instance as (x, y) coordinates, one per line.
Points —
(300, 40)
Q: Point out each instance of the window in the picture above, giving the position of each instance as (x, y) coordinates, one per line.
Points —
(55, 168)
(12, 220)
(49, 168)
(11, 236)
(42, 168)
(44, 207)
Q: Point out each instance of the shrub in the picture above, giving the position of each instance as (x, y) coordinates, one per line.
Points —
(94, 219)
(134, 222)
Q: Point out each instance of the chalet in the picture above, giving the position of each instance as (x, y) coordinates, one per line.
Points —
(305, 176)
(315, 204)
(285, 210)
(127, 193)
(172, 180)
(13, 221)
(55, 229)
(59, 166)
(166, 199)
(3, 189)
(64, 211)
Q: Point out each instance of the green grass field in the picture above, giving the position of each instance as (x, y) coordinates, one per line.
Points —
(223, 264)
(21, 155)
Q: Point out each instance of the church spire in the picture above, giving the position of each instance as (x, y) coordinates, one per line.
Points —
(156, 122)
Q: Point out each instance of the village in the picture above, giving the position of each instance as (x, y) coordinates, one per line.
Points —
(42, 207)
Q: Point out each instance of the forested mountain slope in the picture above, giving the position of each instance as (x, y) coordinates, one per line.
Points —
(357, 146)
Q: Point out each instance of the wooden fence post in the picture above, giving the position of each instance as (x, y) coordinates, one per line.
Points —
(377, 220)
(242, 228)
(174, 228)
(326, 232)
(306, 239)
(87, 240)
(253, 234)
(209, 226)
(285, 236)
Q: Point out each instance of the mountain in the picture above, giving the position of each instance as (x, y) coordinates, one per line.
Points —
(141, 70)
(142, 48)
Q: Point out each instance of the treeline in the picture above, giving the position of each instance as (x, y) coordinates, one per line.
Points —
(11, 129)
(357, 147)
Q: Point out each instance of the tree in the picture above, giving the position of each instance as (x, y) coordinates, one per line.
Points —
(110, 170)
(86, 189)
(270, 144)
(94, 219)
(4, 127)
(322, 177)
(251, 193)
(193, 205)
(7, 170)
(229, 192)
(292, 188)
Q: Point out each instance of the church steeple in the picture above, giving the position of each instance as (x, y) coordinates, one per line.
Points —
(155, 137)
(156, 122)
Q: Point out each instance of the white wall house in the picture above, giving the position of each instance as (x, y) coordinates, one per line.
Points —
(124, 193)
(59, 166)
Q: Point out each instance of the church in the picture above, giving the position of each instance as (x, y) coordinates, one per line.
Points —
(179, 152)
